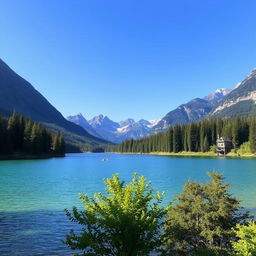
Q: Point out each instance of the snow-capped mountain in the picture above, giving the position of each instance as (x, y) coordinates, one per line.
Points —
(217, 95)
(241, 101)
(80, 120)
(191, 111)
(115, 131)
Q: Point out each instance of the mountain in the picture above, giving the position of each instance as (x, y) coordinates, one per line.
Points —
(105, 127)
(241, 101)
(81, 121)
(116, 132)
(217, 95)
(192, 111)
(135, 130)
(16, 94)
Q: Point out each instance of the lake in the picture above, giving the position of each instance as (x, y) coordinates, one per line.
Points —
(34, 193)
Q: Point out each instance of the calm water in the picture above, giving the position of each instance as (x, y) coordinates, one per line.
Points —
(34, 193)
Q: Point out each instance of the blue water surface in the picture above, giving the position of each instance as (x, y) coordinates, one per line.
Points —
(34, 193)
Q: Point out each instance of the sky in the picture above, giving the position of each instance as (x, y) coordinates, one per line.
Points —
(128, 59)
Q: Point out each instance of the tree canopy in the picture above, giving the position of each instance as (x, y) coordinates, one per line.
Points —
(194, 137)
(20, 135)
(202, 219)
(127, 221)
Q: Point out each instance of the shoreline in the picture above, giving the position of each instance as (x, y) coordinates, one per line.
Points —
(28, 157)
(195, 154)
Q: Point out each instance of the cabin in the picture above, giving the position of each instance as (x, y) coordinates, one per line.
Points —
(224, 146)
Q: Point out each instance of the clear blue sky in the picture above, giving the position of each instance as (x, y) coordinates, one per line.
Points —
(133, 58)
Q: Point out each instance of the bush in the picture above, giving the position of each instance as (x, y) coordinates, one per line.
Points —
(201, 221)
(127, 221)
(246, 243)
(245, 148)
(213, 148)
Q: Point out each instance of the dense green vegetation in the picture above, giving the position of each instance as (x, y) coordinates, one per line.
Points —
(202, 219)
(19, 135)
(245, 245)
(129, 220)
(195, 137)
(125, 222)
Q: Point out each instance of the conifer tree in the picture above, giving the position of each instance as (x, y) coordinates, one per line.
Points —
(252, 136)
(201, 221)
(14, 131)
(27, 136)
(176, 139)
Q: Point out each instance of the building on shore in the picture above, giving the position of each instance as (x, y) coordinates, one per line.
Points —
(224, 146)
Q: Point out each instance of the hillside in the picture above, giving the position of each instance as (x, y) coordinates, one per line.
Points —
(241, 101)
(191, 111)
(16, 94)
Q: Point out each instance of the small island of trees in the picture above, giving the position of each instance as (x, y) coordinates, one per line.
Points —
(22, 138)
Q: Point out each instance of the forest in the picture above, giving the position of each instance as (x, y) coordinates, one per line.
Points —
(20, 135)
(196, 137)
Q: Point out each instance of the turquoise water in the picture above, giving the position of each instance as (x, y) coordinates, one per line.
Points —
(33, 193)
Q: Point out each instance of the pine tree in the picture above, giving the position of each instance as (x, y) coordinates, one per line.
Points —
(252, 135)
(14, 131)
(201, 221)
(176, 139)
(205, 145)
(27, 136)
(235, 133)
(3, 139)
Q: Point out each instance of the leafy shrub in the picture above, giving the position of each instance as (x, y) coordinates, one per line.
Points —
(246, 243)
(127, 221)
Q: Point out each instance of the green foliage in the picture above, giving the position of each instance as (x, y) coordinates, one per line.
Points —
(252, 136)
(245, 148)
(194, 137)
(20, 135)
(58, 145)
(246, 243)
(125, 222)
(201, 221)
(213, 148)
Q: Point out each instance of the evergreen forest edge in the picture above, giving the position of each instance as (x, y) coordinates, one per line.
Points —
(196, 137)
(20, 138)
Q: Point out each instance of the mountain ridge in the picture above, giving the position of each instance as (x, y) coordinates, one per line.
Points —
(240, 101)
(17, 94)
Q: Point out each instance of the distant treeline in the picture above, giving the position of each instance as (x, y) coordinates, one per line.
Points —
(20, 135)
(195, 137)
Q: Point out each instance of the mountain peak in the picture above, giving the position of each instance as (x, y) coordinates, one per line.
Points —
(251, 74)
(217, 95)
(128, 121)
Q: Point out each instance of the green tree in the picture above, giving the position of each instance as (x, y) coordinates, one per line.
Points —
(125, 222)
(36, 139)
(27, 136)
(14, 131)
(246, 243)
(177, 145)
(205, 145)
(56, 142)
(202, 219)
(252, 135)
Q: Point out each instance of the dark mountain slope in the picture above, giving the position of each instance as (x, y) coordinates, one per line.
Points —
(16, 94)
